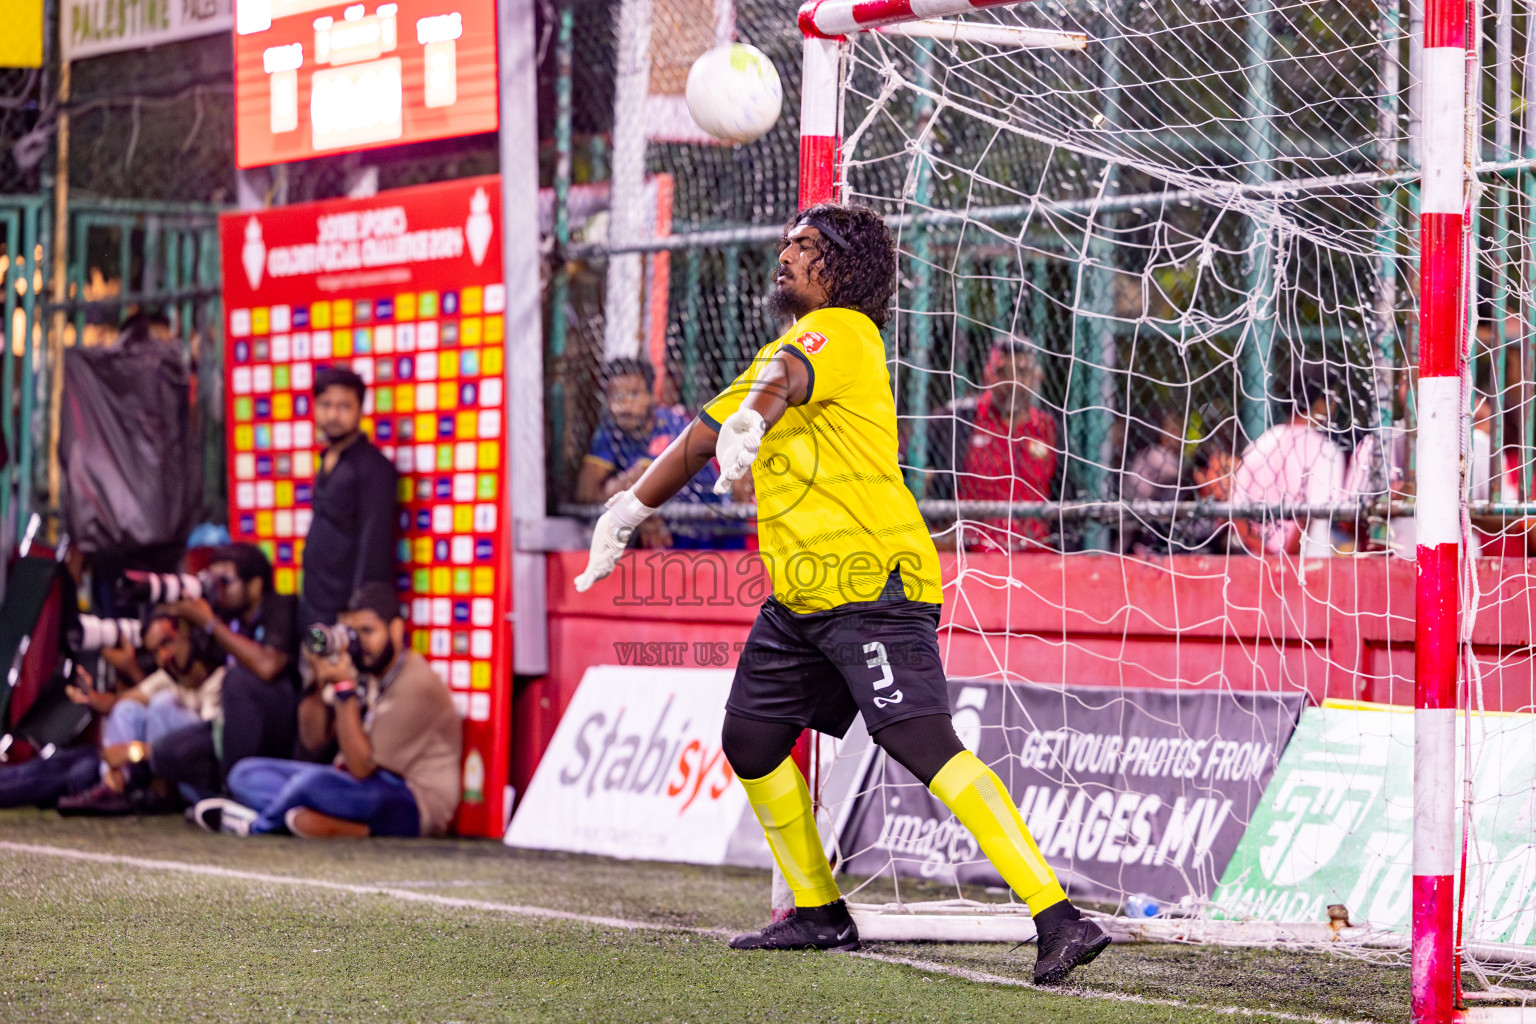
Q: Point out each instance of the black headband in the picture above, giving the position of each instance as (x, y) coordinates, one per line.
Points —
(820, 224)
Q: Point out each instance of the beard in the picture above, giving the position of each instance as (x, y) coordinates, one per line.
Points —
(783, 305)
(378, 666)
(336, 438)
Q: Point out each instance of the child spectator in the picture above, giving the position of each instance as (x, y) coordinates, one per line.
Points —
(634, 430)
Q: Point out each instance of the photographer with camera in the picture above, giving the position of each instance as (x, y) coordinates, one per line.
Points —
(182, 693)
(351, 537)
(251, 627)
(400, 739)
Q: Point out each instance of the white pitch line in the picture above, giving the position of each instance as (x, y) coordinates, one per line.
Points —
(982, 977)
(624, 924)
(211, 871)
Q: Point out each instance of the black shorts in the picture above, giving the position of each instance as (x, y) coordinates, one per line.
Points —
(820, 669)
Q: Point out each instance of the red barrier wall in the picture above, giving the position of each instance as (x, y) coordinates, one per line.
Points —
(1338, 628)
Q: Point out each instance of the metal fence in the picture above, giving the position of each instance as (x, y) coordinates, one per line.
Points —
(1341, 120)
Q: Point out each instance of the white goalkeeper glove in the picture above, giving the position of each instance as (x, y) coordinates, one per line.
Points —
(611, 536)
(740, 436)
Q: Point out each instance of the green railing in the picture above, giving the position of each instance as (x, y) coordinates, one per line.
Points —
(123, 255)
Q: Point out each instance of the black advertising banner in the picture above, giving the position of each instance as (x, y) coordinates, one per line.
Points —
(1125, 790)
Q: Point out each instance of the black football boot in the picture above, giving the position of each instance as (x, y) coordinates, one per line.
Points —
(824, 927)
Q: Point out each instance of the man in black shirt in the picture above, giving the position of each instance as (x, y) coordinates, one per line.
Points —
(255, 628)
(249, 620)
(352, 533)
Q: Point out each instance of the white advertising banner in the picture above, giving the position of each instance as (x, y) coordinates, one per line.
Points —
(90, 28)
(635, 770)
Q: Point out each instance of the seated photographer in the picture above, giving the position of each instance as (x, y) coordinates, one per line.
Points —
(252, 627)
(248, 619)
(183, 692)
(400, 739)
(158, 704)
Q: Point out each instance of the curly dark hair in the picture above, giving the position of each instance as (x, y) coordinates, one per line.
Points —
(856, 258)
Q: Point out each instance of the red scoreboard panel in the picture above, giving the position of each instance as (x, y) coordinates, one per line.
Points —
(315, 76)
(405, 288)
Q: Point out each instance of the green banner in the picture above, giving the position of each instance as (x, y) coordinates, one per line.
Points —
(1336, 826)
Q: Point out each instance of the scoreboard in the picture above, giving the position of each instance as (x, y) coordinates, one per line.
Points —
(406, 289)
(315, 76)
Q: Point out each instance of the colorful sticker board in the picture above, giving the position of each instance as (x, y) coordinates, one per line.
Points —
(404, 288)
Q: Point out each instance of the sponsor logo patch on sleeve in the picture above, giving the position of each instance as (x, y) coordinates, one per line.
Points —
(813, 341)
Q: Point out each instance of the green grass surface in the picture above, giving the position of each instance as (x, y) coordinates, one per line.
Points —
(85, 941)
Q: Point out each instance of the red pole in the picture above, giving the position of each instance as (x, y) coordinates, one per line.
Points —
(1442, 357)
(829, 19)
(820, 130)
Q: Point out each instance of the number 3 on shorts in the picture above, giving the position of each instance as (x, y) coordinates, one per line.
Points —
(877, 659)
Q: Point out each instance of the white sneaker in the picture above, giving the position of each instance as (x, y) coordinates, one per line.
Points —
(218, 814)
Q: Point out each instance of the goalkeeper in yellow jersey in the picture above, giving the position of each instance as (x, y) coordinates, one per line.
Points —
(852, 625)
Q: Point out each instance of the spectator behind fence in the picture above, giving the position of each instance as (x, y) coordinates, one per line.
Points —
(184, 693)
(252, 629)
(351, 537)
(1294, 463)
(633, 430)
(1380, 468)
(400, 739)
(1157, 473)
(997, 446)
(1214, 466)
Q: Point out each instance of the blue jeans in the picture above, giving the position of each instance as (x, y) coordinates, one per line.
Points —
(129, 720)
(273, 786)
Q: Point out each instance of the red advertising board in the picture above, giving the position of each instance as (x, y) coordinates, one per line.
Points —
(406, 289)
(316, 76)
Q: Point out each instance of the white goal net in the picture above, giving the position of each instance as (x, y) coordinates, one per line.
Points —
(1153, 364)
(1153, 373)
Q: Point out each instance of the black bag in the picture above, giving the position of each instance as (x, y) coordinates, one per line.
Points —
(132, 474)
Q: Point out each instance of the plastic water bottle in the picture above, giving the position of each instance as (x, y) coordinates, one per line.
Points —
(1142, 905)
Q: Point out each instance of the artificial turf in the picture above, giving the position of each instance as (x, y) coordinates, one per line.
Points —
(86, 941)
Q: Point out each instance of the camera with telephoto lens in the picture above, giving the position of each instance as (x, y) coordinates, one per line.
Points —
(93, 633)
(330, 642)
(166, 587)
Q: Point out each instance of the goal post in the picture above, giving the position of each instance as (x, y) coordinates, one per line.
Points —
(1443, 410)
(829, 27)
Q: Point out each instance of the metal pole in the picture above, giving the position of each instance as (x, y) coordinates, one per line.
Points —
(829, 19)
(1089, 377)
(26, 441)
(524, 330)
(1258, 346)
(1502, 194)
(59, 291)
(1442, 358)
(1528, 321)
(16, 268)
(820, 140)
(560, 279)
(1383, 353)
(918, 322)
(1090, 381)
(621, 328)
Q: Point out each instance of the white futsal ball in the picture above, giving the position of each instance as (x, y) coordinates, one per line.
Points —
(734, 93)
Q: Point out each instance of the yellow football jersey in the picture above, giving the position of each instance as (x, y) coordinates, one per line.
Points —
(834, 515)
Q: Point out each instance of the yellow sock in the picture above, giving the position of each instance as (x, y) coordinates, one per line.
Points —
(977, 797)
(782, 802)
